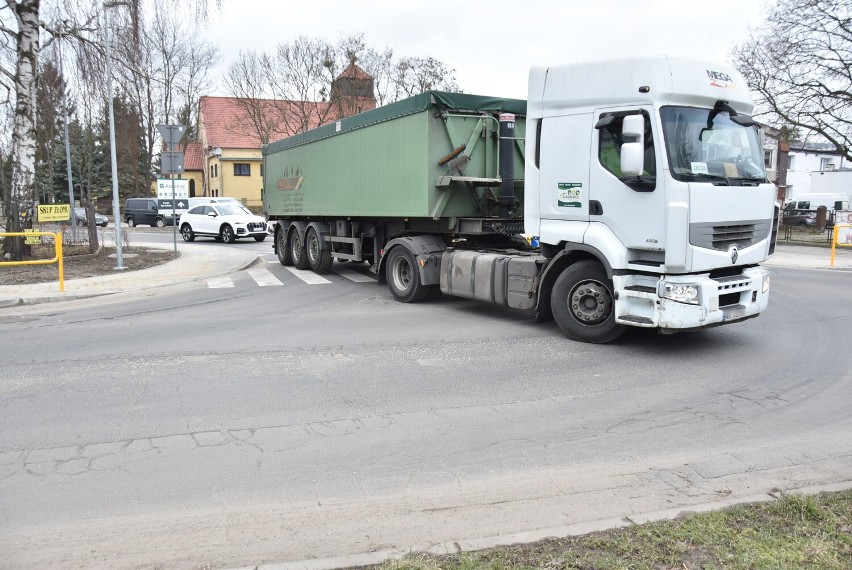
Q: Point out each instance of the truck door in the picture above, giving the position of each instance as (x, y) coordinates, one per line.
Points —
(633, 207)
(564, 152)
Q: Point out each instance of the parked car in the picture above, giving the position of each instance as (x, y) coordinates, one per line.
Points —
(800, 218)
(224, 222)
(80, 215)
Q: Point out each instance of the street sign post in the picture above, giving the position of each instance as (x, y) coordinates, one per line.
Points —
(172, 163)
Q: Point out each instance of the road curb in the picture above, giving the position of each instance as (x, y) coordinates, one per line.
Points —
(576, 529)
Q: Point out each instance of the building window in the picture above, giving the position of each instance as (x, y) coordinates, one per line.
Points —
(826, 164)
(261, 170)
(211, 172)
(791, 165)
(242, 169)
(215, 170)
(767, 159)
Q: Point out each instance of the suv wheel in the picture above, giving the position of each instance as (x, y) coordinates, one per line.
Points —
(131, 222)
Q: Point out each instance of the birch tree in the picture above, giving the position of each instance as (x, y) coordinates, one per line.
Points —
(27, 45)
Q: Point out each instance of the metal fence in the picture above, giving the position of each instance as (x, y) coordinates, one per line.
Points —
(805, 235)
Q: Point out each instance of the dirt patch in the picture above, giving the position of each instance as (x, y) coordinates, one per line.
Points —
(79, 264)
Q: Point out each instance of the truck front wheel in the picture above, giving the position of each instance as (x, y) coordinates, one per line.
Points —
(583, 304)
(404, 277)
(297, 250)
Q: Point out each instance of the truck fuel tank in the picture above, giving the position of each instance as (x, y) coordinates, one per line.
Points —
(507, 280)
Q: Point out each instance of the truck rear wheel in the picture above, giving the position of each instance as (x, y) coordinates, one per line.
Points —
(404, 277)
(283, 248)
(583, 304)
(297, 250)
(318, 258)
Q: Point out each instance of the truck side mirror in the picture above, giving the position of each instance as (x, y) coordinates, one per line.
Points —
(632, 159)
(633, 151)
(633, 127)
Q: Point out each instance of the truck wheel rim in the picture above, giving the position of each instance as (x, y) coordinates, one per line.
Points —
(295, 246)
(313, 248)
(401, 274)
(590, 302)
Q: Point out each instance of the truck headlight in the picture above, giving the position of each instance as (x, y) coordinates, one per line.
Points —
(765, 282)
(680, 292)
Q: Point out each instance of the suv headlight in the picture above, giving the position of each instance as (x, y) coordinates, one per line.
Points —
(680, 292)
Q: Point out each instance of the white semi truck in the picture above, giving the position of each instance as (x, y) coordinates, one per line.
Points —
(640, 180)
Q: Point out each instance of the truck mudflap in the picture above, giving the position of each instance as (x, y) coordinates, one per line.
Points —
(677, 303)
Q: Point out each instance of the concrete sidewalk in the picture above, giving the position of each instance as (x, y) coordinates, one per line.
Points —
(194, 263)
(807, 257)
(197, 263)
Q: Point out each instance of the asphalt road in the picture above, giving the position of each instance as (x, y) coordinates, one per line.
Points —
(234, 426)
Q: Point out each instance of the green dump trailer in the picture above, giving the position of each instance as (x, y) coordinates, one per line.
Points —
(431, 159)
(399, 185)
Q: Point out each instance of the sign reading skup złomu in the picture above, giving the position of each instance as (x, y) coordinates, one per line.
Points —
(54, 212)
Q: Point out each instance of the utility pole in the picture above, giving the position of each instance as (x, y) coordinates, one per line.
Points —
(116, 211)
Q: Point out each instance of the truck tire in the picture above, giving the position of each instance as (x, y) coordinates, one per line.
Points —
(297, 250)
(318, 258)
(583, 304)
(285, 258)
(404, 278)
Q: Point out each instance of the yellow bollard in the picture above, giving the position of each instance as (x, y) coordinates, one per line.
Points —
(58, 239)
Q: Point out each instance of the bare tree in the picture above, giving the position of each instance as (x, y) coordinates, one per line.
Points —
(800, 66)
(291, 90)
(248, 83)
(415, 75)
(301, 74)
(21, 25)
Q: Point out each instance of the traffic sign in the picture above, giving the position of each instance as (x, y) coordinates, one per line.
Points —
(171, 162)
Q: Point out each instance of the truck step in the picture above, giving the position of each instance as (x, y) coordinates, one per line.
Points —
(636, 319)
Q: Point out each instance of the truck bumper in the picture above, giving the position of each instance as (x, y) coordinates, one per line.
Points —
(700, 301)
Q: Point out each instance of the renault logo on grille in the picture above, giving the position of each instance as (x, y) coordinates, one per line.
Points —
(735, 253)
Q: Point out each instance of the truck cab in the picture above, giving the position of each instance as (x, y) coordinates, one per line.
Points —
(653, 168)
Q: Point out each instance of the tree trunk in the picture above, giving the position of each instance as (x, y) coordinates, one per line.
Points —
(24, 132)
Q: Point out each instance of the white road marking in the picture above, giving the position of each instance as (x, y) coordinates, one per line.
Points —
(219, 282)
(352, 275)
(264, 278)
(308, 277)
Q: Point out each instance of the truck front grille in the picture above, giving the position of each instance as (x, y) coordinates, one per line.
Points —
(721, 236)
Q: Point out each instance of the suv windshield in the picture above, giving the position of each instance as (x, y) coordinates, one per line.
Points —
(229, 210)
(706, 145)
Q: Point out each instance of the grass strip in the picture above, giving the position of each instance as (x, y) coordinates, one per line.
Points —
(795, 531)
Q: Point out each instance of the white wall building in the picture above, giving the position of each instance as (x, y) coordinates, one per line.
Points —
(806, 158)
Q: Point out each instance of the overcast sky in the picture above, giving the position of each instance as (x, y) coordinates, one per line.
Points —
(492, 44)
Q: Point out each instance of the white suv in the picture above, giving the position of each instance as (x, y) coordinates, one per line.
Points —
(224, 222)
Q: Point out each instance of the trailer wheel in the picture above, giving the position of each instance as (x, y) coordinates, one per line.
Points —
(583, 305)
(282, 247)
(404, 277)
(318, 258)
(297, 250)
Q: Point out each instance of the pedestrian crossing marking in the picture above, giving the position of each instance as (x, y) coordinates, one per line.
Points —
(308, 277)
(264, 278)
(219, 282)
(352, 275)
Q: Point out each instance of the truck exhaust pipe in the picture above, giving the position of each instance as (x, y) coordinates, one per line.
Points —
(506, 195)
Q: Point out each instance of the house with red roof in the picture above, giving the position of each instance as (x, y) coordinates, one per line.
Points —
(232, 132)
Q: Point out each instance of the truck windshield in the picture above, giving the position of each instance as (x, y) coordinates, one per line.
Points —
(706, 146)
